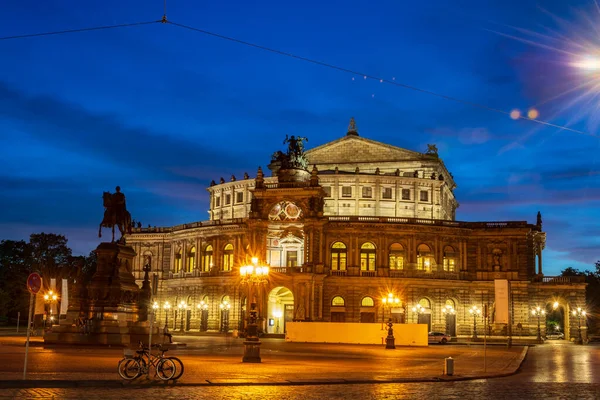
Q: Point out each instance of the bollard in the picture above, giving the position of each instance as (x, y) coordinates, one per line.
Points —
(449, 366)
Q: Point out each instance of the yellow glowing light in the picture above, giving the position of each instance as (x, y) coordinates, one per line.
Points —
(533, 113)
(254, 260)
(555, 305)
(515, 114)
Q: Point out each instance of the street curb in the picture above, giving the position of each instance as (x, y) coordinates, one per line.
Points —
(19, 384)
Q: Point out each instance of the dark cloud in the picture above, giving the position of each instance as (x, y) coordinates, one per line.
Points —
(106, 136)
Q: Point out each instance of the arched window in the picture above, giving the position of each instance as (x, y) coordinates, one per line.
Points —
(424, 258)
(367, 302)
(367, 257)
(228, 257)
(425, 303)
(207, 259)
(338, 301)
(191, 260)
(177, 266)
(338, 256)
(396, 258)
(450, 259)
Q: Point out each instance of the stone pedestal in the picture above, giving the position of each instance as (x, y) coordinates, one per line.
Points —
(110, 312)
(252, 350)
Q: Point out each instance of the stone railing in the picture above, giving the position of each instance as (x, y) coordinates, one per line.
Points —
(287, 185)
(191, 225)
(560, 279)
(436, 222)
(424, 274)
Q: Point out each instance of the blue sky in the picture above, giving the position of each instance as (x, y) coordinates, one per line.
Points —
(161, 110)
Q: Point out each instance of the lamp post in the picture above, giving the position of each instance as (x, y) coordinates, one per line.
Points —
(50, 297)
(579, 313)
(475, 311)
(225, 307)
(253, 275)
(448, 310)
(390, 300)
(538, 312)
(167, 307)
(418, 309)
(202, 307)
(182, 307)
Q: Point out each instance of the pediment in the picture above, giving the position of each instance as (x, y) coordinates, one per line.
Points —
(356, 149)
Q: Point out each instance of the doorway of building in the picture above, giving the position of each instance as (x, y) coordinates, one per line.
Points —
(280, 309)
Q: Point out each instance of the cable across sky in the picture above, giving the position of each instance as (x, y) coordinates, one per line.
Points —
(164, 20)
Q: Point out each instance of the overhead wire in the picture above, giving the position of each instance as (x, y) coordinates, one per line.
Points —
(305, 59)
(380, 79)
(95, 28)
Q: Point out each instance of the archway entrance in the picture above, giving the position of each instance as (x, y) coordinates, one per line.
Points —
(280, 309)
(556, 321)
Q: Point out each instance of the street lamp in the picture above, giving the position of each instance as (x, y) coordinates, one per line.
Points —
(50, 297)
(579, 313)
(253, 275)
(390, 300)
(448, 310)
(202, 307)
(225, 307)
(167, 307)
(475, 311)
(418, 309)
(538, 312)
(182, 307)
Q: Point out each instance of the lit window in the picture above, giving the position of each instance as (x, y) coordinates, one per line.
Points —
(191, 260)
(367, 302)
(207, 261)
(424, 258)
(367, 257)
(449, 259)
(228, 257)
(338, 301)
(338, 256)
(367, 192)
(396, 258)
(178, 256)
(346, 191)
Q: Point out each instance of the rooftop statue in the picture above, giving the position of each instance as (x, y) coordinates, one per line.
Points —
(294, 158)
(432, 150)
(115, 213)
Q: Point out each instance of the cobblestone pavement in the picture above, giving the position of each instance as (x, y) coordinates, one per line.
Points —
(556, 370)
(492, 389)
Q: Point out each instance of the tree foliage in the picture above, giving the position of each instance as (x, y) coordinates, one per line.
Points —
(592, 292)
(45, 253)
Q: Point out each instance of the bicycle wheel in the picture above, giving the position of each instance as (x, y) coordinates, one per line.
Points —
(165, 369)
(178, 367)
(129, 369)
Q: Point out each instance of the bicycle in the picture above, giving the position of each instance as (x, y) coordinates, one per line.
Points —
(178, 368)
(138, 362)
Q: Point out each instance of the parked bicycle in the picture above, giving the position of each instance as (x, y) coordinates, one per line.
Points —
(136, 363)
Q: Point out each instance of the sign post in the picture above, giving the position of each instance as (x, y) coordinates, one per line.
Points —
(34, 284)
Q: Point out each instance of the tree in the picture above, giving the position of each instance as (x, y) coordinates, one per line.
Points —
(592, 292)
(51, 256)
(15, 260)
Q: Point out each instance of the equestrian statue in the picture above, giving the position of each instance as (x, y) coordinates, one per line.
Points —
(115, 213)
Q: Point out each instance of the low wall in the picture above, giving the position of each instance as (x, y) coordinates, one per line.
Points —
(354, 333)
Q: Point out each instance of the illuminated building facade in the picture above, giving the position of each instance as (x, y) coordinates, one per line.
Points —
(350, 222)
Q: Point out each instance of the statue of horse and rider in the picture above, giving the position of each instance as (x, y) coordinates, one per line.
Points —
(115, 213)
